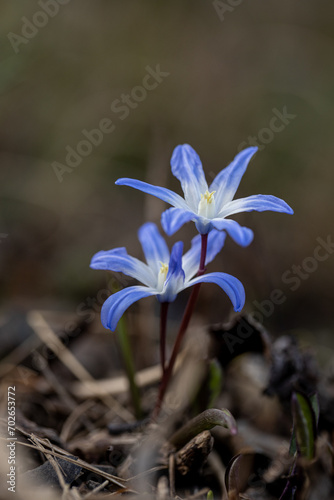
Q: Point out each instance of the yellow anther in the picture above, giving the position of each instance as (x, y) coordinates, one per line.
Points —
(206, 206)
(162, 276)
(163, 268)
(207, 196)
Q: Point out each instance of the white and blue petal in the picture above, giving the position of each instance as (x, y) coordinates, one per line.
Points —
(174, 218)
(175, 277)
(227, 181)
(99, 256)
(216, 240)
(154, 246)
(207, 208)
(191, 259)
(243, 236)
(118, 260)
(187, 167)
(258, 202)
(163, 193)
(115, 306)
(231, 286)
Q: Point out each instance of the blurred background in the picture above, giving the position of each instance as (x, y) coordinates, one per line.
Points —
(223, 73)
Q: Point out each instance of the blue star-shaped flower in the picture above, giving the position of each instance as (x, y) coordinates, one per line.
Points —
(208, 206)
(165, 274)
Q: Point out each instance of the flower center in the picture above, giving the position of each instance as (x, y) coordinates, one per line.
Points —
(162, 275)
(206, 206)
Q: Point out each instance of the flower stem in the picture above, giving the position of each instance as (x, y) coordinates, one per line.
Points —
(204, 247)
(163, 325)
(182, 330)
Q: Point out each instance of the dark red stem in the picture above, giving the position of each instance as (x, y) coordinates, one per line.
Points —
(204, 248)
(163, 325)
(182, 330)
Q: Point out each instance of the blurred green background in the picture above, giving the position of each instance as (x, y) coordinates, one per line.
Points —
(229, 69)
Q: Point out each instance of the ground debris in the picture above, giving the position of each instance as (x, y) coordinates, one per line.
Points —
(194, 454)
(46, 474)
(82, 441)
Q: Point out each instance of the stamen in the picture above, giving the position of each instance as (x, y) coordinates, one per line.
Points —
(208, 197)
(206, 206)
(162, 275)
(163, 268)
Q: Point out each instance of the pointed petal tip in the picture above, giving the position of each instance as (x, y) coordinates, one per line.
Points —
(285, 208)
(243, 236)
(110, 327)
(183, 151)
(147, 226)
(154, 246)
(147, 232)
(178, 248)
(121, 181)
(239, 307)
(181, 147)
(248, 238)
(248, 153)
(95, 263)
(282, 206)
(251, 150)
(115, 305)
(92, 265)
(167, 230)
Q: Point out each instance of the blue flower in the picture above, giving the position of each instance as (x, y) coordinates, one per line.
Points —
(208, 206)
(165, 274)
